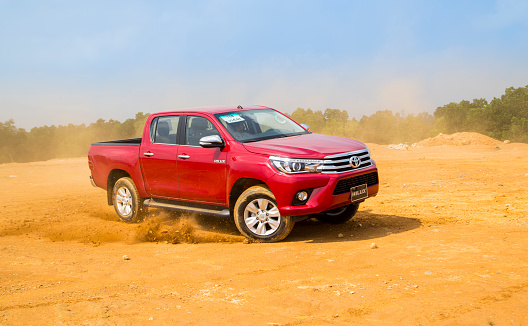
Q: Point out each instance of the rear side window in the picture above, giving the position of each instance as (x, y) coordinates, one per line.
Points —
(164, 130)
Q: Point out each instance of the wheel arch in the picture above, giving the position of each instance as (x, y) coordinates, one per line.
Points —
(240, 186)
(113, 176)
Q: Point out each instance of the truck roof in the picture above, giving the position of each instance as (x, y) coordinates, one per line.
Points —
(215, 109)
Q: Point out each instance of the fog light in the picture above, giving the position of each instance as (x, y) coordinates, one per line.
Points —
(302, 195)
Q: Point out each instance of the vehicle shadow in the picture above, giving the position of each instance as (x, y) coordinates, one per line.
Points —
(364, 226)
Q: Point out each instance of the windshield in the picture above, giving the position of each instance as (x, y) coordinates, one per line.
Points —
(254, 125)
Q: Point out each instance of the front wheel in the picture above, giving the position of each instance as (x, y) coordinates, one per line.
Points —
(127, 202)
(339, 215)
(257, 216)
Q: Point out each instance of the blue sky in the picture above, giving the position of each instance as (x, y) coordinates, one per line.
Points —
(76, 61)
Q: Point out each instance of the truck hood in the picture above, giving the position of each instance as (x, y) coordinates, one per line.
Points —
(314, 146)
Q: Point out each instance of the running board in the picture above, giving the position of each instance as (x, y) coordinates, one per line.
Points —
(151, 203)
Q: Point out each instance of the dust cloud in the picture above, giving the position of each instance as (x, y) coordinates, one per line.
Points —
(54, 200)
(162, 226)
(102, 226)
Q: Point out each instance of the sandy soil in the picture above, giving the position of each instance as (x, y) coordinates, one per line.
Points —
(449, 223)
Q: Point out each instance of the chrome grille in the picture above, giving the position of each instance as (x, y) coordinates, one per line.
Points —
(340, 163)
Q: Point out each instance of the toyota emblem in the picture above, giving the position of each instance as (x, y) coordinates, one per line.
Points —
(354, 161)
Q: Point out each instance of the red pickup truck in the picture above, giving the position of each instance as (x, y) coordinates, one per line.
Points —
(251, 163)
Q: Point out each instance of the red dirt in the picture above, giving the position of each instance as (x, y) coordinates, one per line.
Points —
(450, 224)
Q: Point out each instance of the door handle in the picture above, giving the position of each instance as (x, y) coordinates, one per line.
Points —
(148, 154)
(184, 156)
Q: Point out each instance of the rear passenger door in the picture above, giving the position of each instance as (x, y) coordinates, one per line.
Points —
(158, 157)
(201, 171)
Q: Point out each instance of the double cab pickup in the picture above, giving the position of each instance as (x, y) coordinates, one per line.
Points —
(252, 164)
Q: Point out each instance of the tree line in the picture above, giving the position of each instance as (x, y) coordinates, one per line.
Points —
(48, 142)
(503, 118)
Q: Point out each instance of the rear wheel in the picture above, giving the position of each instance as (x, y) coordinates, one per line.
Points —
(127, 202)
(257, 216)
(339, 215)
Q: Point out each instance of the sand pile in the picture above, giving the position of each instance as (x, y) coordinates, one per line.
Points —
(460, 138)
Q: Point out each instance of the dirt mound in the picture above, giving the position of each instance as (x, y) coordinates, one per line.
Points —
(459, 139)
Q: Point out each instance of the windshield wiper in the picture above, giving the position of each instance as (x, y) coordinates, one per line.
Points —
(274, 137)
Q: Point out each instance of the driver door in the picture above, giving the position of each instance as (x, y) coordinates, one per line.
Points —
(201, 171)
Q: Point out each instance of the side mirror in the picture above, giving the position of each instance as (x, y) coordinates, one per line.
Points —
(211, 141)
(305, 126)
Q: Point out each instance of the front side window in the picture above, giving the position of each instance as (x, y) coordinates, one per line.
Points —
(197, 128)
(164, 130)
(255, 125)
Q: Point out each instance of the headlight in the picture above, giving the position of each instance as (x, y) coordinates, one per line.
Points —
(293, 165)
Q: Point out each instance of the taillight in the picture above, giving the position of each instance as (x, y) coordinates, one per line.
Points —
(90, 163)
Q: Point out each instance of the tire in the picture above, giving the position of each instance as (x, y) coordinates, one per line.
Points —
(339, 215)
(258, 218)
(127, 203)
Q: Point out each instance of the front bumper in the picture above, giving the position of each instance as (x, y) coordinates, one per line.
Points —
(92, 182)
(322, 198)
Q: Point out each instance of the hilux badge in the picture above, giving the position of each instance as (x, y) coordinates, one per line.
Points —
(354, 161)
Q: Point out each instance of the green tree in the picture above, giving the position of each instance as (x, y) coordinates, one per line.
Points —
(463, 116)
(315, 120)
(377, 128)
(12, 140)
(501, 112)
(335, 122)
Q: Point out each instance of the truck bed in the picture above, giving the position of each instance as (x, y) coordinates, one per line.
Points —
(121, 142)
(117, 156)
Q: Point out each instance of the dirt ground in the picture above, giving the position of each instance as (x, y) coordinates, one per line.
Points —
(449, 227)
